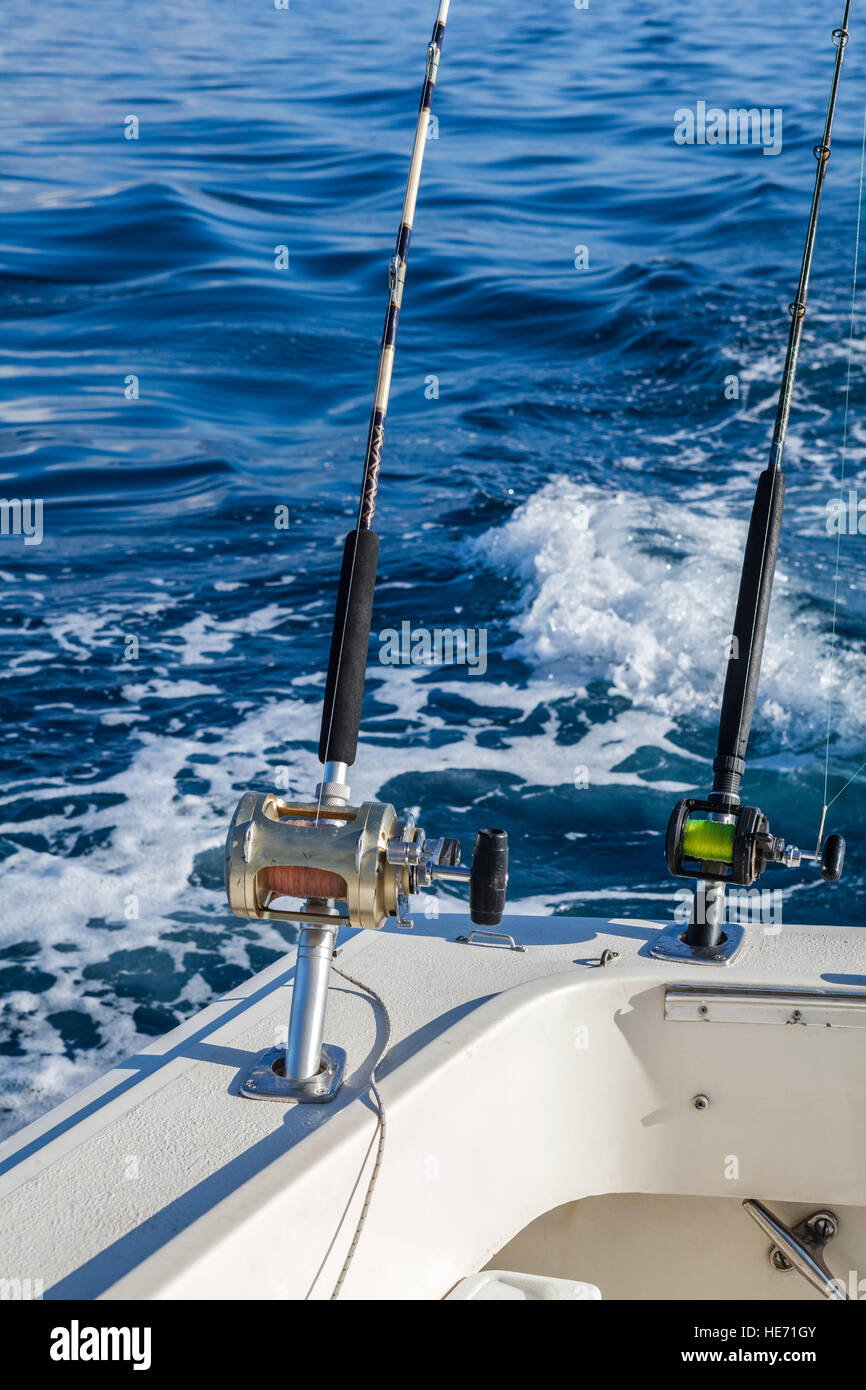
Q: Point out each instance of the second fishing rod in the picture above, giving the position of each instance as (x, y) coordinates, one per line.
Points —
(718, 841)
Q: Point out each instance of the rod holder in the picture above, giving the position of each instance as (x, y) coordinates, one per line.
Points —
(707, 926)
(304, 1070)
(309, 998)
(717, 944)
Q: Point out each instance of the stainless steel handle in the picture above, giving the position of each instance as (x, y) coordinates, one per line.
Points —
(495, 936)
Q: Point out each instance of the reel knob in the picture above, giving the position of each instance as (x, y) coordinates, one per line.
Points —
(833, 858)
(488, 878)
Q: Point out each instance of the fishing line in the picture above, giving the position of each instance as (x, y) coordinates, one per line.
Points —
(847, 784)
(828, 804)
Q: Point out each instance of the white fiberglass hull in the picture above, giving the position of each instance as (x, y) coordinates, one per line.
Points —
(542, 1115)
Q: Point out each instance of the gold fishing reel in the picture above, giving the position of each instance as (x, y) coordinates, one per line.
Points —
(352, 866)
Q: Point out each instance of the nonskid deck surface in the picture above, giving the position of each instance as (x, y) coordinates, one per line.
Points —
(162, 1157)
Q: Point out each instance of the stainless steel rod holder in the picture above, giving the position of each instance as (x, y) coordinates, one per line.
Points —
(309, 1002)
(708, 914)
(304, 1071)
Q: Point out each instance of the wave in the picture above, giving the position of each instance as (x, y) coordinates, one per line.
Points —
(639, 591)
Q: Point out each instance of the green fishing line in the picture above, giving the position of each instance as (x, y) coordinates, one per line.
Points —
(708, 839)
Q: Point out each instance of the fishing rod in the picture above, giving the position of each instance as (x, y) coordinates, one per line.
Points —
(347, 665)
(350, 866)
(718, 841)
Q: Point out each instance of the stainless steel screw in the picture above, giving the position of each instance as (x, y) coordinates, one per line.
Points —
(823, 1228)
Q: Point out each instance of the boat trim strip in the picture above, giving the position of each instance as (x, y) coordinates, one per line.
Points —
(805, 1007)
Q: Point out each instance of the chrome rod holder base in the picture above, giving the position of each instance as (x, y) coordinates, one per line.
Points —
(266, 1079)
(671, 945)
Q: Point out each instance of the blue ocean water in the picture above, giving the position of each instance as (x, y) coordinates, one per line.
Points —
(567, 465)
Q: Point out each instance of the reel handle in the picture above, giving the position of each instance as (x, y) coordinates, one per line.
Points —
(488, 878)
(833, 858)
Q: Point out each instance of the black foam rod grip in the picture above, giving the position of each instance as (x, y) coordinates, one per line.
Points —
(750, 623)
(488, 878)
(347, 665)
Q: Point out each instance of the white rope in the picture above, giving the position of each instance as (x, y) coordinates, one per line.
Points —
(380, 1125)
(379, 1132)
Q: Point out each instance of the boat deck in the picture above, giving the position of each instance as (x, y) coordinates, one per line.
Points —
(139, 1179)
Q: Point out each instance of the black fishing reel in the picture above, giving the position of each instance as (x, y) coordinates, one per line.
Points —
(735, 845)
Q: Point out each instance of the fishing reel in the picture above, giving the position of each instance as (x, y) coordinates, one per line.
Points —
(353, 866)
(735, 845)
